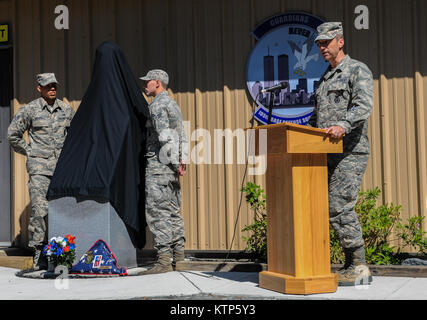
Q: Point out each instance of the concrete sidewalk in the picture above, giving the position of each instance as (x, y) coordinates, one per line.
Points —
(195, 285)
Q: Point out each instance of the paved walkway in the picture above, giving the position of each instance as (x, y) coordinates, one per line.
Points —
(193, 285)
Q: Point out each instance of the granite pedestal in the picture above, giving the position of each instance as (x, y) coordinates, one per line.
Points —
(88, 221)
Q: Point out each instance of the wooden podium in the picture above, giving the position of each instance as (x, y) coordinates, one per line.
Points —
(298, 210)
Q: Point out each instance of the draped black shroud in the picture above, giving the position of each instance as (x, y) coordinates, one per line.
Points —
(103, 154)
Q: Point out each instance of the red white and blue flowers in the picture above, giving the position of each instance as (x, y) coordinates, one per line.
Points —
(61, 250)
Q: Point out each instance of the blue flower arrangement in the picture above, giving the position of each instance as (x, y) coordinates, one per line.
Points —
(61, 250)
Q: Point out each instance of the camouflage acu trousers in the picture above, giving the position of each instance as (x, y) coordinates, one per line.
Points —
(345, 173)
(37, 227)
(163, 206)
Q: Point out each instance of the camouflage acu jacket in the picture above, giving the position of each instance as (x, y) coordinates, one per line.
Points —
(344, 98)
(166, 139)
(47, 128)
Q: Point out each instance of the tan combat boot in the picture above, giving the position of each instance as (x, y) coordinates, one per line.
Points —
(357, 273)
(178, 256)
(162, 265)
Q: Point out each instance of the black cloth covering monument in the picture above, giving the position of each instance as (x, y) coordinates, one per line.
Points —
(103, 154)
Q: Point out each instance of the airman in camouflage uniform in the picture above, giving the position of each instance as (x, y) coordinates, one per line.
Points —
(47, 120)
(343, 105)
(165, 154)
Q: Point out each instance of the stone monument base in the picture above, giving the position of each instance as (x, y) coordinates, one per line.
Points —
(89, 220)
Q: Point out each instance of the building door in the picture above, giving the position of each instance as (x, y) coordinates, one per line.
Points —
(6, 94)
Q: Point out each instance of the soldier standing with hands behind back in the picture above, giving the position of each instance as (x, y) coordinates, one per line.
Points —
(47, 120)
(166, 151)
(343, 106)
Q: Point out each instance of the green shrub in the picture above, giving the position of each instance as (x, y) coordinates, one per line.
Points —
(378, 224)
(257, 241)
(412, 234)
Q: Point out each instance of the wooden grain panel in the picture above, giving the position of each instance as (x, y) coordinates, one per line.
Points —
(292, 285)
(280, 218)
(302, 209)
(293, 138)
(301, 142)
(319, 218)
(21, 263)
(311, 216)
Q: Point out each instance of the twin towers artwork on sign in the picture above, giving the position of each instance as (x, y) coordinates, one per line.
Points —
(285, 52)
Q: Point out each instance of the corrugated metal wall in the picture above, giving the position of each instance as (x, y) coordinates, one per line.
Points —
(204, 45)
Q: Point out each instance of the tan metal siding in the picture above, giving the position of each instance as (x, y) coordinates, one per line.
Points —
(204, 45)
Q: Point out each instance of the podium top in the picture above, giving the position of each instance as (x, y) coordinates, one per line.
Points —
(286, 125)
(294, 138)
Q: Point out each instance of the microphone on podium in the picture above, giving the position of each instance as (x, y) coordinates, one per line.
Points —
(281, 85)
